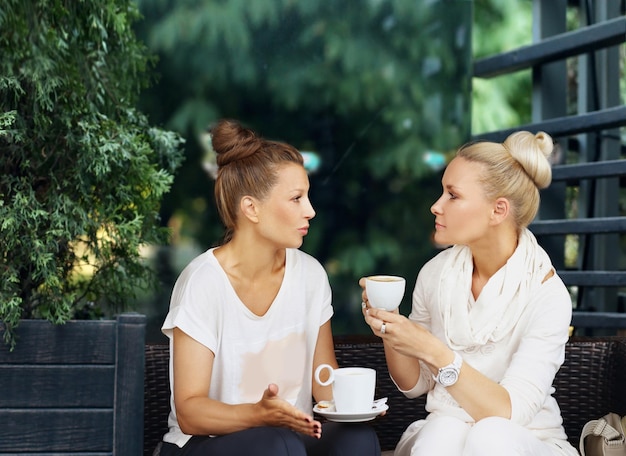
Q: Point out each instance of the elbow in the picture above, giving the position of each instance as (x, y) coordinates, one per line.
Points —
(411, 389)
(184, 424)
(500, 407)
(524, 407)
(186, 419)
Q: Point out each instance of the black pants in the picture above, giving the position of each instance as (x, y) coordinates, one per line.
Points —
(338, 439)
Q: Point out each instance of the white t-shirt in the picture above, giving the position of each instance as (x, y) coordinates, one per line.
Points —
(251, 351)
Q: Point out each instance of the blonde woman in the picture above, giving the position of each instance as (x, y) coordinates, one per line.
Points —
(490, 317)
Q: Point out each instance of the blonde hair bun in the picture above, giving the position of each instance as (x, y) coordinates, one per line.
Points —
(532, 152)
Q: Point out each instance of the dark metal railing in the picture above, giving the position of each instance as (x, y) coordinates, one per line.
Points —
(586, 40)
(570, 44)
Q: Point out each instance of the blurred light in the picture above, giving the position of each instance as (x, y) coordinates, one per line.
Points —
(209, 159)
(312, 161)
(435, 160)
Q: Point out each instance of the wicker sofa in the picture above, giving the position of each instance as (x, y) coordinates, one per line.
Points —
(591, 382)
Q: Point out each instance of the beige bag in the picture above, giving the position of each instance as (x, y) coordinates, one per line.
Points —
(604, 437)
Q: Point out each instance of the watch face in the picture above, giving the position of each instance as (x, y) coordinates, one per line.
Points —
(448, 377)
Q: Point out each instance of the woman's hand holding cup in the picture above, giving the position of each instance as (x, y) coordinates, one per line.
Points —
(385, 291)
(381, 296)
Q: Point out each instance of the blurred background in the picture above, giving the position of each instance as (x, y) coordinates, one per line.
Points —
(377, 94)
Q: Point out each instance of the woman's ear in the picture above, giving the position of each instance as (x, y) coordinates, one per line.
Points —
(248, 207)
(501, 209)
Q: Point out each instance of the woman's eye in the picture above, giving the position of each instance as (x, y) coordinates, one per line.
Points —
(452, 196)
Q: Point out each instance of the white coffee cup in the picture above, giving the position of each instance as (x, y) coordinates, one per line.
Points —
(353, 387)
(385, 291)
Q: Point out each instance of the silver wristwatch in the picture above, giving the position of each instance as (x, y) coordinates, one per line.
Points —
(448, 375)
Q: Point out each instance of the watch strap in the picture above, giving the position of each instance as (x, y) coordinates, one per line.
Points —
(453, 368)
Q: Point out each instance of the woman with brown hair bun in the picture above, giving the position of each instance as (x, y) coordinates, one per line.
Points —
(249, 320)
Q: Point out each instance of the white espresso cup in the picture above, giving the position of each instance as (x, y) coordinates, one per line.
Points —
(385, 291)
(353, 387)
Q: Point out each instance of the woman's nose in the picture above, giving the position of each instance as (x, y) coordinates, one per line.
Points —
(310, 213)
(435, 208)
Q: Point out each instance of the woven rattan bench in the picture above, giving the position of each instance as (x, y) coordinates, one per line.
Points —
(591, 382)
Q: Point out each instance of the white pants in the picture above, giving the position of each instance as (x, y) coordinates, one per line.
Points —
(491, 436)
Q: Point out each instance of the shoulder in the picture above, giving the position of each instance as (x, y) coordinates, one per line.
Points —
(307, 273)
(204, 267)
(554, 291)
(298, 259)
(551, 304)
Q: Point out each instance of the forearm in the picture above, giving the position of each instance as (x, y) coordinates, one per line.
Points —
(322, 393)
(204, 416)
(324, 354)
(404, 370)
(478, 395)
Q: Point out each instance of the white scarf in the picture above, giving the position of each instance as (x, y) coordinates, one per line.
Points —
(501, 301)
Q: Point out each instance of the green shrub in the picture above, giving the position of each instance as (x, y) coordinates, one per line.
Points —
(82, 172)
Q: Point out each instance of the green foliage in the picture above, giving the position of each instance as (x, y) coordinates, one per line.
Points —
(501, 102)
(371, 86)
(82, 172)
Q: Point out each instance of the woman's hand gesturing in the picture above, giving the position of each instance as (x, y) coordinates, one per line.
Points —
(278, 412)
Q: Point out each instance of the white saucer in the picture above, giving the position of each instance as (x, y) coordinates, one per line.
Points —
(327, 410)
